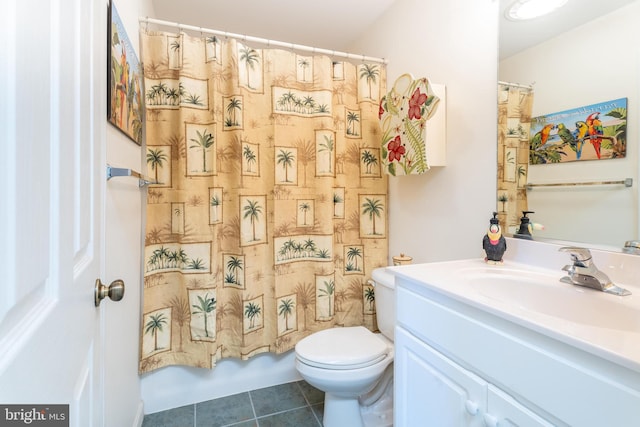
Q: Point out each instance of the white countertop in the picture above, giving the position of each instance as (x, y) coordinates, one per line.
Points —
(531, 295)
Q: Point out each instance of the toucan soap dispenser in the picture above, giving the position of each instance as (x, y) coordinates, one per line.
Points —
(524, 232)
(494, 243)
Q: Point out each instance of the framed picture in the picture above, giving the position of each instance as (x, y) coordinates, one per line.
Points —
(590, 132)
(125, 106)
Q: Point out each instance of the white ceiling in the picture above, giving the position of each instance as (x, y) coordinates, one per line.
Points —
(517, 36)
(327, 24)
(336, 24)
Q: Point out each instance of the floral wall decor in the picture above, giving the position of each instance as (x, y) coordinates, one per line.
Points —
(403, 115)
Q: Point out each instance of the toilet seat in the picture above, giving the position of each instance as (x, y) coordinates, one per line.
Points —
(342, 348)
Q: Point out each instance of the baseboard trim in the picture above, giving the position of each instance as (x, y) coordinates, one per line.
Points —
(137, 422)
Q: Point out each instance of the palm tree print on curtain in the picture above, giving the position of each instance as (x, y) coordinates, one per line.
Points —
(234, 271)
(233, 109)
(370, 162)
(326, 287)
(370, 299)
(171, 93)
(305, 213)
(215, 203)
(286, 170)
(203, 320)
(286, 314)
(354, 254)
(200, 149)
(250, 69)
(369, 75)
(514, 122)
(372, 208)
(353, 123)
(175, 52)
(270, 210)
(156, 331)
(250, 161)
(253, 225)
(253, 315)
(155, 159)
(305, 70)
(325, 153)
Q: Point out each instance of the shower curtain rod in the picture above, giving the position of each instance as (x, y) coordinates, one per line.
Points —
(268, 42)
(530, 87)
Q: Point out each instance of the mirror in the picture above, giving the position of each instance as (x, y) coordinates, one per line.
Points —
(571, 65)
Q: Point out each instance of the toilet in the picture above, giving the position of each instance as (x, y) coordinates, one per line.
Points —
(354, 366)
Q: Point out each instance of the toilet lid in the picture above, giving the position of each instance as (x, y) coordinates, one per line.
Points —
(342, 348)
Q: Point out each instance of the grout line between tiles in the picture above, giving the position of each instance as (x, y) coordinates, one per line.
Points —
(302, 393)
(255, 416)
(315, 415)
(237, 423)
(309, 403)
(289, 410)
(282, 412)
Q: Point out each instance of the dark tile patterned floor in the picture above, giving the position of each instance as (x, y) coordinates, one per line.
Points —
(293, 404)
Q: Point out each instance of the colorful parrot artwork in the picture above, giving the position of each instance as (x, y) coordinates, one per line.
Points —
(122, 85)
(579, 134)
(602, 126)
(567, 138)
(595, 129)
(540, 138)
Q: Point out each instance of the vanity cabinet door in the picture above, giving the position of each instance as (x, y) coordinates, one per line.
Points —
(504, 411)
(431, 390)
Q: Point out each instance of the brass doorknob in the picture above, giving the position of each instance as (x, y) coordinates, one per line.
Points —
(115, 291)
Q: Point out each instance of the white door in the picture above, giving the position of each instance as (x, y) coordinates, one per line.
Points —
(52, 171)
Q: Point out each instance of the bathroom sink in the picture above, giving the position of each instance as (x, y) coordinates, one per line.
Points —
(543, 293)
(534, 297)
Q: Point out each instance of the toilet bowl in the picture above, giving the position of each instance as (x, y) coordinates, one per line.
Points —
(353, 365)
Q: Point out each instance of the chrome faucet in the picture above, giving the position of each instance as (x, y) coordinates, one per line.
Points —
(583, 272)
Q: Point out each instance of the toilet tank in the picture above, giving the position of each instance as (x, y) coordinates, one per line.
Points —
(384, 289)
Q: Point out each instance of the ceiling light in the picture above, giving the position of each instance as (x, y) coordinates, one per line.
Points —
(529, 9)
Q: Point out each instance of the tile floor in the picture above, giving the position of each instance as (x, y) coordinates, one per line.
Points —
(293, 404)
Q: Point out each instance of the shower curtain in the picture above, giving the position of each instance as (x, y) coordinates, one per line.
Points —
(514, 120)
(270, 209)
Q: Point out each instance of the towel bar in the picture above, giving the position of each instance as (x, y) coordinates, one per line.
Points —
(628, 182)
(142, 180)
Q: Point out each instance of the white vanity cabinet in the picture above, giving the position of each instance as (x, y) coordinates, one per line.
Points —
(430, 387)
(457, 364)
(433, 388)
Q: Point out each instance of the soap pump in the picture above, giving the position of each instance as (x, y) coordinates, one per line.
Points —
(494, 243)
(524, 232)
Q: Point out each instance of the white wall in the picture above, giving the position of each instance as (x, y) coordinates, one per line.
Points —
(444, 213)
(437, 216)
(597, 62)
(123, 233)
